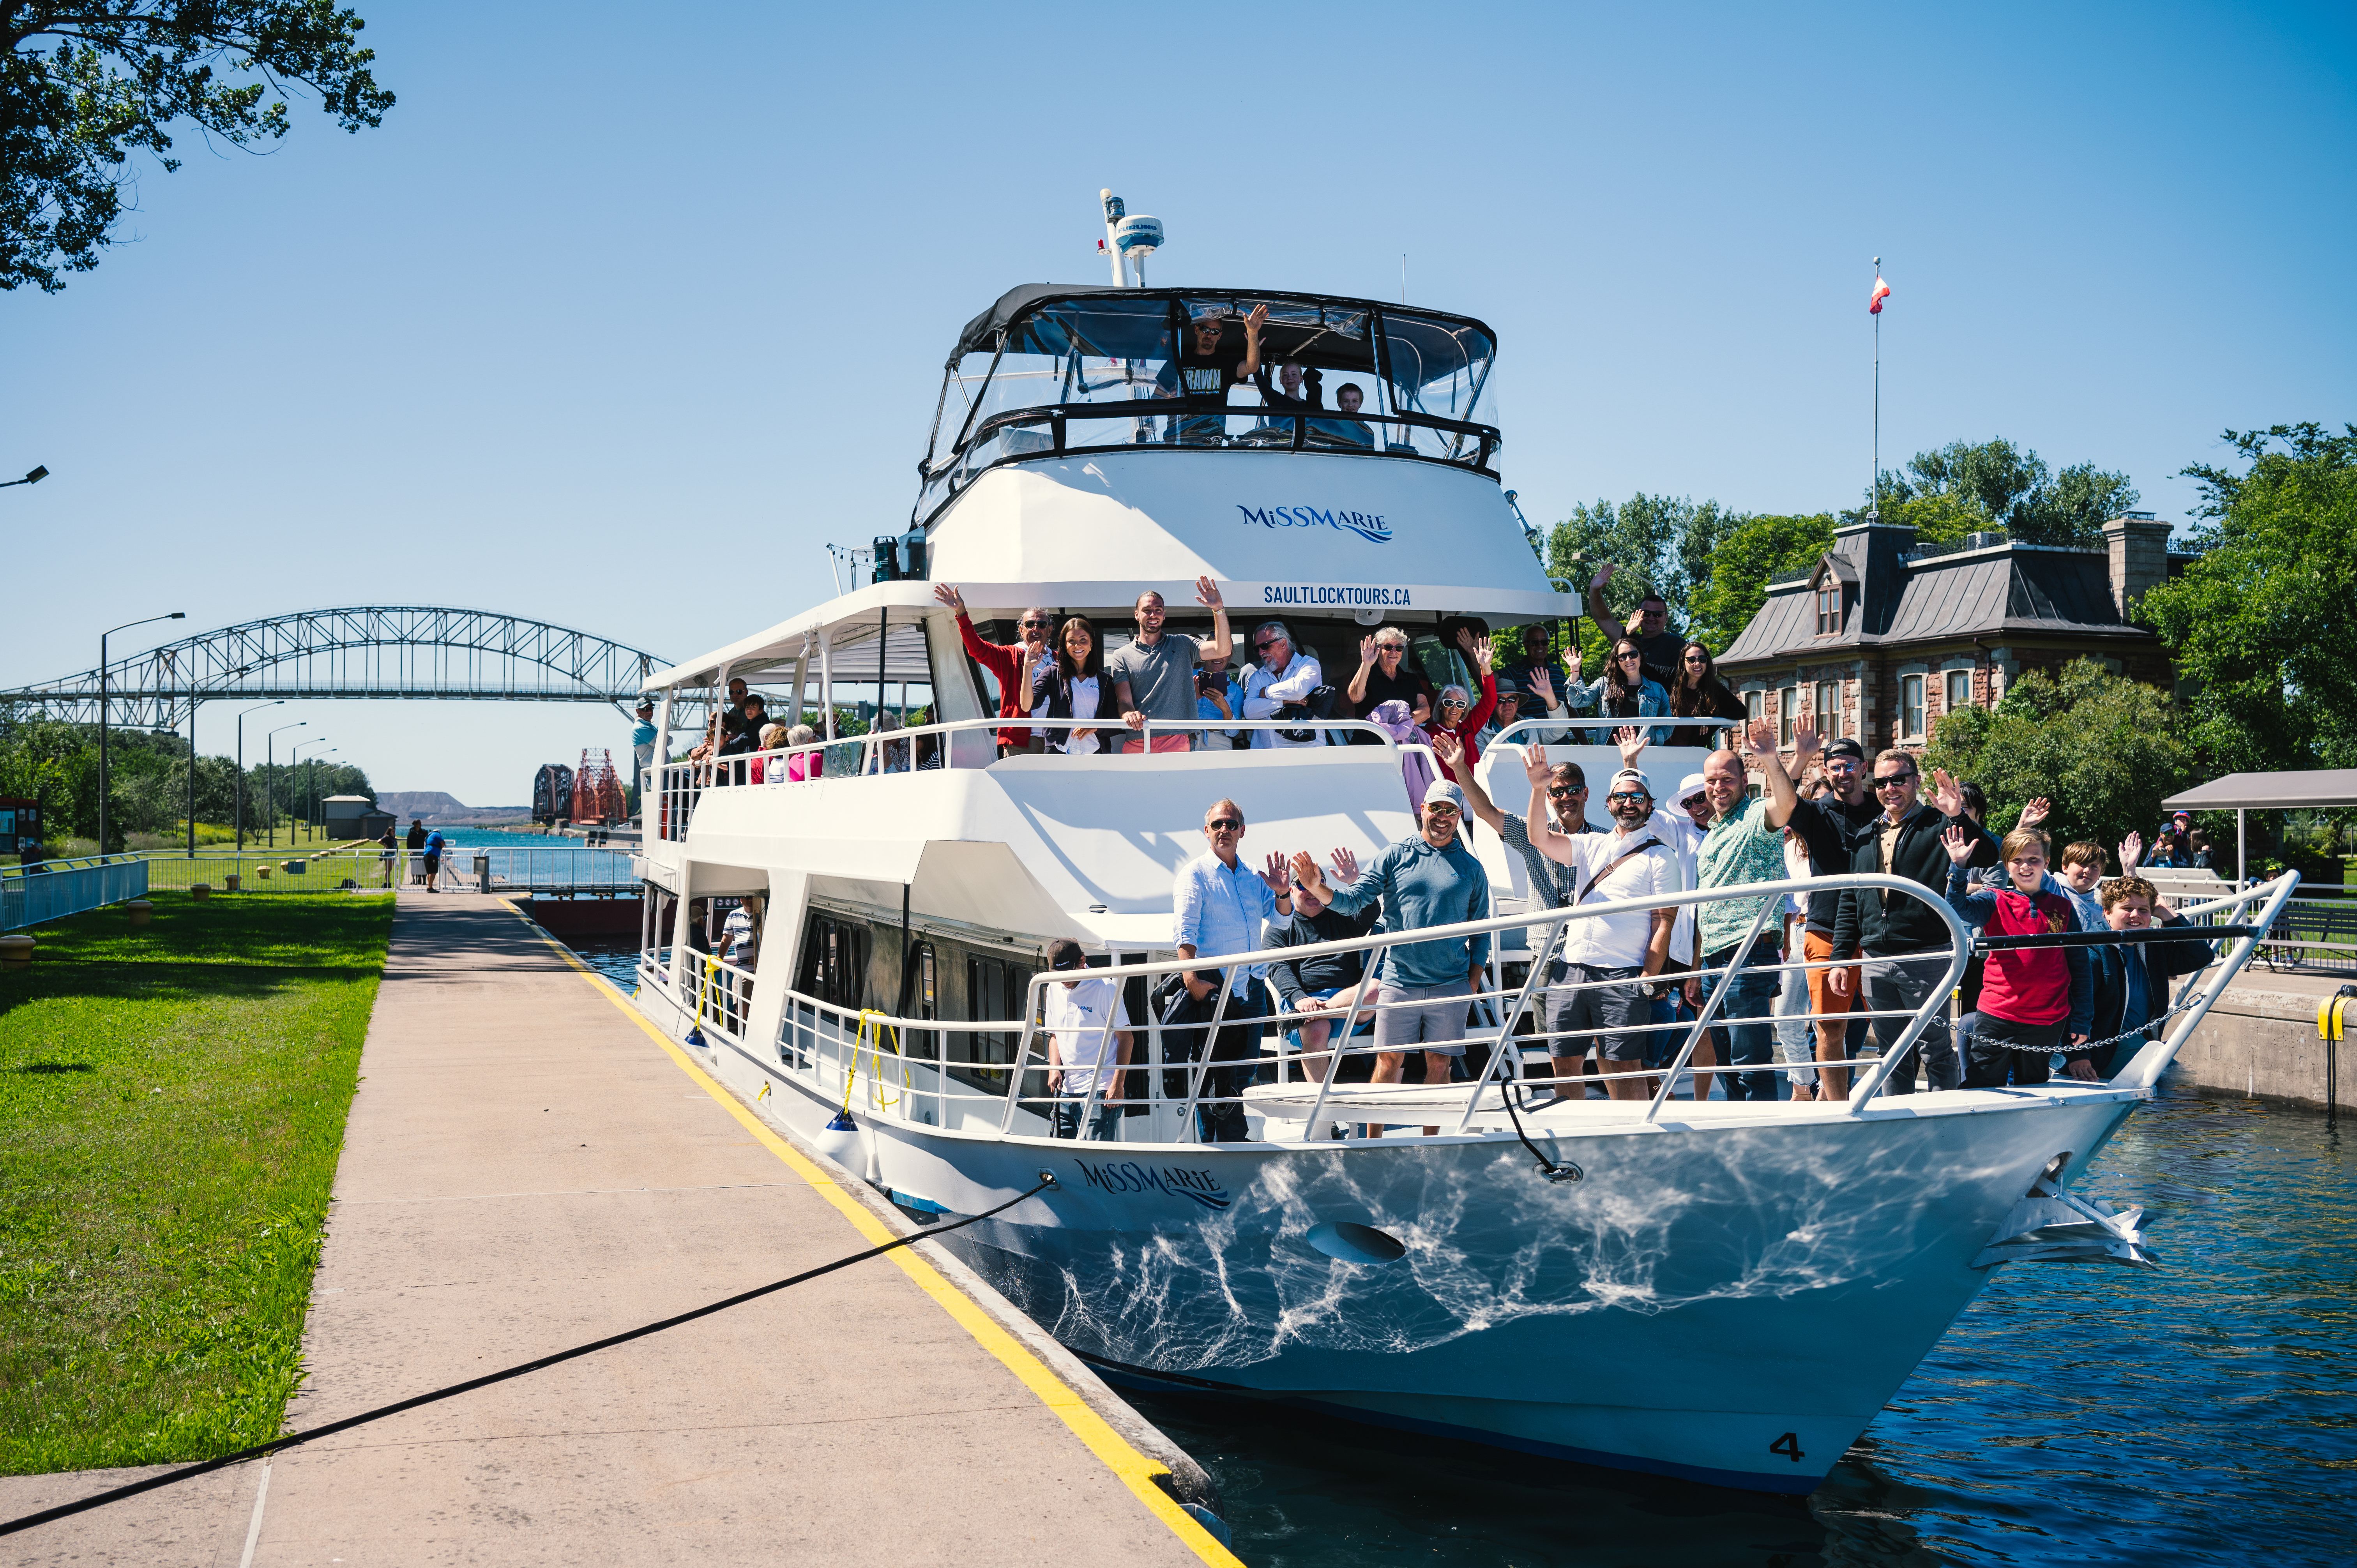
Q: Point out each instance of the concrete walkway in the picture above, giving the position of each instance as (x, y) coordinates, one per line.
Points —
(526, 1169)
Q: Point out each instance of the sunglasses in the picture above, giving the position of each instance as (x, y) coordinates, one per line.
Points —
(1564, 791)
(1892, 781)
(1389, 650)
(1029, 622)
(1265, 646)
(1622, 797)
(1633, 653)
(1229, 823)
(1439, 809)
(1452, 703)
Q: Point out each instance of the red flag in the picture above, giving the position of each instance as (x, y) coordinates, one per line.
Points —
(1881, 292)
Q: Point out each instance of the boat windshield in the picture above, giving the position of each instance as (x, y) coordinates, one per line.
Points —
(1062, 374)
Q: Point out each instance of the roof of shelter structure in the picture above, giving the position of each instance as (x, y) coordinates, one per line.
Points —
(2270, 791)
(986, 331)
(1898, 595)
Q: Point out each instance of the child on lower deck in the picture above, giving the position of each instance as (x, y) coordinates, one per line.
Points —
(2033, 1000)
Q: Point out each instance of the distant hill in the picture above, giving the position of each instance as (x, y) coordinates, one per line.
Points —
(446, 810)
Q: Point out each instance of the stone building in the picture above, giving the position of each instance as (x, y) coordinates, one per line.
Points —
(1879, 640)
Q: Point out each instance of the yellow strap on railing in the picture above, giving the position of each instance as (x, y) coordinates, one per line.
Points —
(867, 1017)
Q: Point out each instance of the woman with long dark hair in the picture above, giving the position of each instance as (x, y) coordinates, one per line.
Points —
(1698, 692)
(1624, 691)
(1074, 686)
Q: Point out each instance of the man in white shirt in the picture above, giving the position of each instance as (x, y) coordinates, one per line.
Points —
(1609, 960)
(1284, 675)
(1088, 1032)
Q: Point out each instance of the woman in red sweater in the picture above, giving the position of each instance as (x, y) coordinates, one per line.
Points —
(1458, 715)
(2034, 1001)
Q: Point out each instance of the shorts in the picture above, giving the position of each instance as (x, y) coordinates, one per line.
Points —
(1817, 949)
(1605, 1017)
(1432, 1016)
(433, 863)
(1136, 742)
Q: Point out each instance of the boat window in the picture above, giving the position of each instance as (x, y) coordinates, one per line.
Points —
(1433, 366)
(1071, 375)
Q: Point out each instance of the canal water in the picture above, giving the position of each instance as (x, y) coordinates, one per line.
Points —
(2204, 1412)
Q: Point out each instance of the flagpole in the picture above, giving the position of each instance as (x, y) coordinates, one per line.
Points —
(1874, 504)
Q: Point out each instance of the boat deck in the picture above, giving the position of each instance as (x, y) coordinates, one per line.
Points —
(527, 1167)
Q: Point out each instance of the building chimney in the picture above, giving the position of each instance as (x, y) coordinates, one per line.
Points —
(2138, 549)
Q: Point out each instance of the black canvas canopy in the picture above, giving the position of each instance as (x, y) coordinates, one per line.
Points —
(1426, 344)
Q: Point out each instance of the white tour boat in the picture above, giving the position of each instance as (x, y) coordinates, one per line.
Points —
(1724, 1291)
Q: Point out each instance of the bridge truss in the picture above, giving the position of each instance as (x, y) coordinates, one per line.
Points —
(375, 651)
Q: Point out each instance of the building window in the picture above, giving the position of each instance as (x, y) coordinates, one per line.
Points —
(1829, 606)
(1788, 709)
(1960, 690)
(1911, 706)
(1755, 705)
(1829, 710)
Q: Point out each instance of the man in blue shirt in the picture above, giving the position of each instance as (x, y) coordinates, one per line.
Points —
(434, 847)
(1428, 879)
(1218, 906)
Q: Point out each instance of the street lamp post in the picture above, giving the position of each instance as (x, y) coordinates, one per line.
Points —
(126, 626)
(257, 708)
(308, 773)
(269, 779)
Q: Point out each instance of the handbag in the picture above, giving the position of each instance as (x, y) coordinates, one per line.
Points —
(1319, 704)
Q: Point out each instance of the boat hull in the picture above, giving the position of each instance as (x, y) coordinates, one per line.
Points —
(1729, 1298)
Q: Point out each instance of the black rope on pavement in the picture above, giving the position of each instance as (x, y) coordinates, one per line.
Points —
(190, 1472)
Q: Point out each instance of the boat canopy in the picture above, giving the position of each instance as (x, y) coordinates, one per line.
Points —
(1053, 369)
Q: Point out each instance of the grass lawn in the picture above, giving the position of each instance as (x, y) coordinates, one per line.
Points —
(172, 1105)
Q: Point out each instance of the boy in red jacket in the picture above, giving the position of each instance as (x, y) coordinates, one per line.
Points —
(2032, 998)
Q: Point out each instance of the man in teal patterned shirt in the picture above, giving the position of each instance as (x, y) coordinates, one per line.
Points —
(1745, 844)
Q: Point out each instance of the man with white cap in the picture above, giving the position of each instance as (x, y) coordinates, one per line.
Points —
(1429, 878)
(1610, 960)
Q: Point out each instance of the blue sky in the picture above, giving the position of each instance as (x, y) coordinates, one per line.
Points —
(616, 326)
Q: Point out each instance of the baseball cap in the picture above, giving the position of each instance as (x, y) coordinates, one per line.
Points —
(1441, 791)
(1845, 747)
(1629, 776)
(1065, 953)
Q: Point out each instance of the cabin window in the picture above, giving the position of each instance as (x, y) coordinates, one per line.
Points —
(1787, 710)
(835, 962)
(1911, 706)
(1829, 710)
(995, 988)
(1960, 689)
(1829, 606)
(1755, 705)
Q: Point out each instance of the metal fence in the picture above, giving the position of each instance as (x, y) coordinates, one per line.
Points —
(474, 868)
(35, 895)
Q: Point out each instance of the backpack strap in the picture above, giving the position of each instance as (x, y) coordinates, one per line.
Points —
(1619, 860)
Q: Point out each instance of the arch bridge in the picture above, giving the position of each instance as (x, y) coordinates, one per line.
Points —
(373, 651)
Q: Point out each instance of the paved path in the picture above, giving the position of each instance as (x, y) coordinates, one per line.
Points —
(526, 1169)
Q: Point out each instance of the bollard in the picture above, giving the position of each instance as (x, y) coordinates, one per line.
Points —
(201, 891)
(141, 910)
(262, 872)
(15, 952)
(228, 883)
(483, 874)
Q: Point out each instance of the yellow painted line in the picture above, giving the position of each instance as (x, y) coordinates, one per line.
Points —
(1136, 1471)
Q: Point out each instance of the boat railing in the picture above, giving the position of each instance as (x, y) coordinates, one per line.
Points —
(989, 1076)
(1046, 431)
(893, 751)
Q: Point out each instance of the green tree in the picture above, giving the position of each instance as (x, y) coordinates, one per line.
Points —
(2103, 749)
(2260, 624)
(1966, 486)
(1757, 551)
(1663, 544)
(89, 82)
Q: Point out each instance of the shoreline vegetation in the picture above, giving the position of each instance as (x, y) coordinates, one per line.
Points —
(172, 1107)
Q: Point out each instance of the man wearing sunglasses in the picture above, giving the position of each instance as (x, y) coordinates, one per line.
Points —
(1154, 674)
(1009, 664)
(1285, 677)
(1209, 363)
(1218, 904)
(1424, 989)
(1889, 929)
(1609, 960)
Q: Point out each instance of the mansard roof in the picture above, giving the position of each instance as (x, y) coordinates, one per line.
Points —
(1897, 594)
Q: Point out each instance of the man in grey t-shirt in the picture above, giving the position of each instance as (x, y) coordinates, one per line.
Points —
(1153, 676)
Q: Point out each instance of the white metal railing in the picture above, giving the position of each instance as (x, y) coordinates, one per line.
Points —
(969, 1074)
(897, 751)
